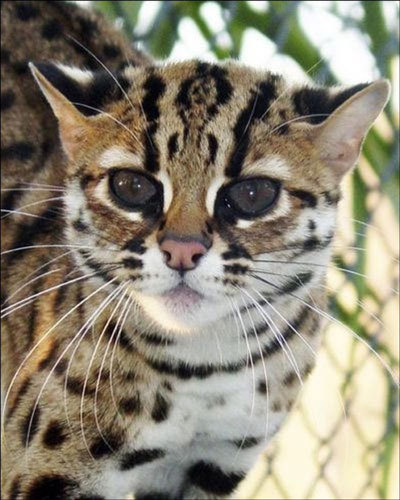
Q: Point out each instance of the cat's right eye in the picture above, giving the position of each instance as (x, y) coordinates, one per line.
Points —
(134, 191)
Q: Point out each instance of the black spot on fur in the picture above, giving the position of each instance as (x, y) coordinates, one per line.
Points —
(26, 11)
(309, 101)
(21, 151)
(131, 406)
(172, 145)
(100, 448)
(55, 435)
(307, 198)
(30, 423)
(311, 225)
(88, 26)
(262, 387)
(160, 409)
(140, 457)
(212, 147)
(90, 497)
(247, 442)
(311, 244)
(111, 51)
(212, 479)
(79, 226)
(331, 198)
(236, 252)
(52, 487)
(75, 386)
(235, 269)
(20, 67)
(5, 56)
(52, 30)
(7, 99)
(256, 109)
(132, 263)
(290, 378)
(135, 245)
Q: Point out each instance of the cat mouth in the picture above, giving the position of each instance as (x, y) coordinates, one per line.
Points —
(182, 295)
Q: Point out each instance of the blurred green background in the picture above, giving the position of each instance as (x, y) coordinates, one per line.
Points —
(351, 451)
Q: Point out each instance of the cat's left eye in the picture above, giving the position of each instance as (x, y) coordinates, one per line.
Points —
(134, 191)
(251, 197)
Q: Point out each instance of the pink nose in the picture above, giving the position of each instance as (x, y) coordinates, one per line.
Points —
(182, 255)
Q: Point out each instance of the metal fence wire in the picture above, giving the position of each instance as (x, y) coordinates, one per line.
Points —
(341, 441)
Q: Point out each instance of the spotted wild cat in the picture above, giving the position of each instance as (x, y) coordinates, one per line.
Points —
(162, 260)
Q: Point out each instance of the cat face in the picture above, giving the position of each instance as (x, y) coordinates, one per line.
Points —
(204, 188)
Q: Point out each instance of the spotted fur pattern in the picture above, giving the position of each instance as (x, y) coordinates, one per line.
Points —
(110, 388)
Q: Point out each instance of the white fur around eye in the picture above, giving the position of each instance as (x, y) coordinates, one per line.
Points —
(116, 156)
(271, 166)
(212, 193)
(165, 181)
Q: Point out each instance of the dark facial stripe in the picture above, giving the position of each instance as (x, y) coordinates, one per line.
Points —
(154, 339)
(15, 488)
(172, 145)
(296, 282)
(307, 198)
(140, 457)
(155, 88)
(131, 406)
(75, 386)
(118, 335)
(7, 99)
(212, 479)
(212, 147)
(257, 108)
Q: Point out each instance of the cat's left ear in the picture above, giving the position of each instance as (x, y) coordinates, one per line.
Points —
(339, 138)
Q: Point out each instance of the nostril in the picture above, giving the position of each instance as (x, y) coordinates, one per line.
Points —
(196, 257)
(167, 256)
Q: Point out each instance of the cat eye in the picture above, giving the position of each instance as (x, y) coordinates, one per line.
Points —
(250, 197)
(135, 191)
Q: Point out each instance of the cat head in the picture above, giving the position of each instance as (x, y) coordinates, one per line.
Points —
(204, 188)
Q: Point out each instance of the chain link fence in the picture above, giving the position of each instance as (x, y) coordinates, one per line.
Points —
(341, 441)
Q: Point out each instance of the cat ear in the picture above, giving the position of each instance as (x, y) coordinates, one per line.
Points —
(72, 123)
(339, 138)
(74, 95)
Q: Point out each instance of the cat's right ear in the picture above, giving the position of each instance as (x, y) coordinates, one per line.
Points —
(71, 121)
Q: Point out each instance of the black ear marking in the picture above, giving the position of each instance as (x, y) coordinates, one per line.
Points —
(94, 91)
(321, 102)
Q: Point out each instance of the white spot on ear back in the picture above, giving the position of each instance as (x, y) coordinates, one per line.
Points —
(116, 156)
(79, 75)
(212, 193)
(164, 179)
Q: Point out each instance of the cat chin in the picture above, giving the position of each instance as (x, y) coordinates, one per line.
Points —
(182, 311)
